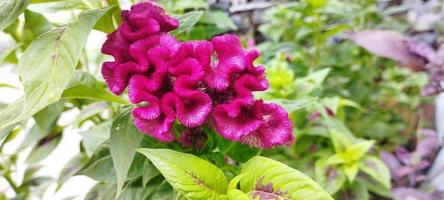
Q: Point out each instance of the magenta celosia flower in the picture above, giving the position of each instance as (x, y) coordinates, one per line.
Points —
(171, 80)
(145, 19)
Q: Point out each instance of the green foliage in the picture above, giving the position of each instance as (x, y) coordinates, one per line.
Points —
(124, 139)
(10, 10)
(189, 175)
(346, 105)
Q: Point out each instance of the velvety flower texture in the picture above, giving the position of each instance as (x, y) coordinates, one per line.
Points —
(195, 82)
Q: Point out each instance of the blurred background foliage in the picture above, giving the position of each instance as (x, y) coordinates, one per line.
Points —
(347, 105)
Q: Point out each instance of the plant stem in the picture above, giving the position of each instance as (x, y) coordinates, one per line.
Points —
(11, 182)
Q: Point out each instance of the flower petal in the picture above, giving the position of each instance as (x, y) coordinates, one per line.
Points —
(276, 129)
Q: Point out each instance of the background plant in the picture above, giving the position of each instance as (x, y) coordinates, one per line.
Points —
(347, 105)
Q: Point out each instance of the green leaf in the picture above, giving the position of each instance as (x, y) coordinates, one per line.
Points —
(10, 10)
(376, 169)
(95, 136)
(336, 159)
(48, 63)
(89, 111)
(46, 119)
(149, 171)
(107, 23)
(189, 4)
(191, 176)
(83, 85)
(286, 182)
(10, 112)
(188, 20)
(100, 166)
(351, 170)
(235, 194)
(358, 150)
(293, 105)
(329, 177)
(311, 82)
(73, 165)
(43, 148)
(340, 141)
(35, 25)
(218, 18)
(124, 139)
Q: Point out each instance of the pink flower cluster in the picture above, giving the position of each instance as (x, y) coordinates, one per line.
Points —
(195, 82)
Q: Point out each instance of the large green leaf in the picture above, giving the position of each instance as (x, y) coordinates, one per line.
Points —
(264, 177)
(191, 176)
(10, 10)
(124, 139)
(84, 85)
(48, 63)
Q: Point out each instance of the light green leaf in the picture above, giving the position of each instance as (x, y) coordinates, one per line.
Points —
(358, 150)
(83, 85)
(10, 10)
(235, 194)
(285, 181)
(218, 18)
(340, 141)
(191, 176)
(94, 137)
(351, 170)
(376, 169)
(233, 183)
(311, 82)
(48, 63)
(293, 105)
(188, 20)
(336, 159)
(124, 139)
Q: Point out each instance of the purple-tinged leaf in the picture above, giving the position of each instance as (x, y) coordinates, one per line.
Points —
(427, 144)
(424, 51)
(404, 193)
(392, 163)
(403, 155)
(388, 44)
